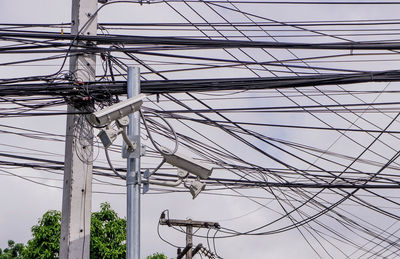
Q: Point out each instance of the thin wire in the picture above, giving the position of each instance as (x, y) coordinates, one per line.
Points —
(160, 150)
(111, 166)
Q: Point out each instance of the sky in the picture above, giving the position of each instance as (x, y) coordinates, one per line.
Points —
(23, 202)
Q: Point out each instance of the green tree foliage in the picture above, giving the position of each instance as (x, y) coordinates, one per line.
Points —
(46, 237)
(107, 238)
(157, 256)
(12, 251)
(108, 234)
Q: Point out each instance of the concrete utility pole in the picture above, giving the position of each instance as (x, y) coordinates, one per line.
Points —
(77, 187)
(189, 224)
(133, 176)
(189, 239)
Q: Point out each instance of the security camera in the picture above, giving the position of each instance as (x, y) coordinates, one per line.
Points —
(188, 164)
(107, 136)
(117, 111)
(196, 187)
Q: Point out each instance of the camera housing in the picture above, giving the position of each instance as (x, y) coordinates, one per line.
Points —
(188, 164)
(196, 187)
(116, 111)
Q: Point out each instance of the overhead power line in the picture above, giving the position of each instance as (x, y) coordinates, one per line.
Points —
(181, 41)
(197, 85)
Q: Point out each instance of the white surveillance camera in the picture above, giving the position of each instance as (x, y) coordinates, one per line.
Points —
(188, 164)
(117, 111)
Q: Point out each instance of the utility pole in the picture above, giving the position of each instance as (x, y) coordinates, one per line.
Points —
(189, 239)
(77, 186)
(133, 176)
(189, 224)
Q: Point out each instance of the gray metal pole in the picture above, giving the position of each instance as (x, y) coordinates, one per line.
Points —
(133, 179)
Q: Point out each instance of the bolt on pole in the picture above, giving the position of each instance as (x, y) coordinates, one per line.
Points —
(133, 176)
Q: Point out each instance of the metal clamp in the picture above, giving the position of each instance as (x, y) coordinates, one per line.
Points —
(136, 152)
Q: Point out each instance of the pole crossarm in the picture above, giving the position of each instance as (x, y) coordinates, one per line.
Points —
(189, 222)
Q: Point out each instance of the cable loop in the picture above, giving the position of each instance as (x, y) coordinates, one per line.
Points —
(161, 149)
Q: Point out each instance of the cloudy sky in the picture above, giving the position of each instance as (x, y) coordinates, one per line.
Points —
(22, 202)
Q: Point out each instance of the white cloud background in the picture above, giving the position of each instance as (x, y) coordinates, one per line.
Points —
(23, 202)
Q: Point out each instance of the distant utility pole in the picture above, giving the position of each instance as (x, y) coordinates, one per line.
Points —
(189, 224)
(77, 186)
